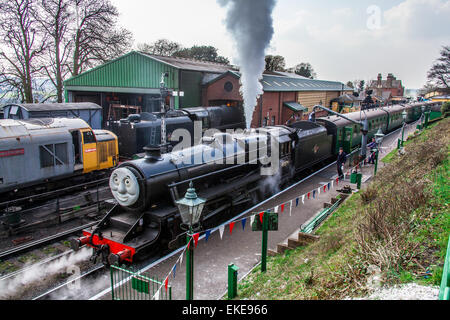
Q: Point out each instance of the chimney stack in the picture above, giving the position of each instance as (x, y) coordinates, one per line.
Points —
(390, 77)
(379, 80)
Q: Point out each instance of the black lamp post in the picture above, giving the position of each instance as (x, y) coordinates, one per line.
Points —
(190, 207)
(379, 136)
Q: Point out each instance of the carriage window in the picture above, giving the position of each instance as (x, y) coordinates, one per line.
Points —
(88, 137)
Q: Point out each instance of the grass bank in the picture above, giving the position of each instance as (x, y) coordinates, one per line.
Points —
(398, 226)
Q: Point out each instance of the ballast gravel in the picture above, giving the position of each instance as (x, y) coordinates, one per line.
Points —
(410, 291)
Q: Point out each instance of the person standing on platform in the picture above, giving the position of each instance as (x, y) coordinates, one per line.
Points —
(341, 160)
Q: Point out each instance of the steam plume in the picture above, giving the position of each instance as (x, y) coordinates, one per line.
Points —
(251, 25)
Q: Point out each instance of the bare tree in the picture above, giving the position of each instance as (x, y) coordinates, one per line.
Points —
(96, 36)
(55, 18)
(439, 74)
(22, 43)
(161, 47)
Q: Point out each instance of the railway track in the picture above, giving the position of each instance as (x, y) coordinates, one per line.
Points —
(76, 286)
(7, 254)
(44, 196)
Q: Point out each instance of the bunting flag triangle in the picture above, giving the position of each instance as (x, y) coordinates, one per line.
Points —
(174, 270)
(275, 209)
(332, 183)
(337, 180)
(189, 243)
(157, 294)
(329, 185)
(309, 193)
(282, 208)
(166, 283)
(314, 194)
(318, 189)
(181, 259)
(325, 188)
(243, 221)
(231, 227)
(296, 202)
(195, 237)
(261, 215)
(252, 219)
(290, 208)
(221, 230)
(303, 199)
(207, 234)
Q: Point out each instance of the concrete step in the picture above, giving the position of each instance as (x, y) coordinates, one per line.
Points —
(294, 243)
(271, 253)
(281, 248)
(306, 238)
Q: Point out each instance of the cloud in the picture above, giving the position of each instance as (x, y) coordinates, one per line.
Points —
(419, 19)
(406, 42)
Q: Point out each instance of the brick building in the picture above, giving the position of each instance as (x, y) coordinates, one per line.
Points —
(286, 96)
(389, 89)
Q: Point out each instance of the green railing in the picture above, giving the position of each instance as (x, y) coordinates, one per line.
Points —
(128, 285)
(444, 292)
(311, 225)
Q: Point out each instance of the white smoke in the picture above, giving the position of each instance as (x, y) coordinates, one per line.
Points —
(251, 25)
(39, 272)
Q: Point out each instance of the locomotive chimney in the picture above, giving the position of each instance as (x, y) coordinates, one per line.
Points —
(153, 153)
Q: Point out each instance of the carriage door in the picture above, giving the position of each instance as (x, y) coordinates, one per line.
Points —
(348, 139)
(89, 150)
(77, 150)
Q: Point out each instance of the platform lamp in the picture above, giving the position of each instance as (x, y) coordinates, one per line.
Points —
(379, 136)
(190, 207)
(400, 142)
(424, 108)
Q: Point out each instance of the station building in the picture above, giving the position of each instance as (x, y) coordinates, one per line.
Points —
(133, 83)
(287, 97)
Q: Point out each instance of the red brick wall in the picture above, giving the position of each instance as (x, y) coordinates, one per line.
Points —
(272, 106)
(216, 91)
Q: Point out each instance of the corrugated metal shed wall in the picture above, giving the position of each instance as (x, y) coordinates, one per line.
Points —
(132, 70)
(191, 83)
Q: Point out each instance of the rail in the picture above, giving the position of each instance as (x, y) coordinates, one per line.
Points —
(444, 292)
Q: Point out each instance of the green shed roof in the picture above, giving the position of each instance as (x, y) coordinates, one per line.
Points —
(139, 72)
(133, 70)
(294, 106)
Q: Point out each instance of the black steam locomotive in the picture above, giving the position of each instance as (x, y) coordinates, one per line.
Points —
(227, 170)
(140, 130)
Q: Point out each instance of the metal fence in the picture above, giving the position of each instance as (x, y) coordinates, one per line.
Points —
(129, 285)
(444, 292)
(313, 223)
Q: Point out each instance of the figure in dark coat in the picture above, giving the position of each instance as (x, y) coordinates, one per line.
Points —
(341, 160)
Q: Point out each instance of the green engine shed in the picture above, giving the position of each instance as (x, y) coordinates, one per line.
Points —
(134, 80)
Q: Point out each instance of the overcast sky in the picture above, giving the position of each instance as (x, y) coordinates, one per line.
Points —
(343, 40)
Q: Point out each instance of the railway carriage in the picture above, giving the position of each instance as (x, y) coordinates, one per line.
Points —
(37, 151)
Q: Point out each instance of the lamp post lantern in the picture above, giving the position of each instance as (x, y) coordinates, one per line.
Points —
(379, 136)
(400, 142)
(423, 116)
(190, 207)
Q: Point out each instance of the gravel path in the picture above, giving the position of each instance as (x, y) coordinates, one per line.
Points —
(410, 291)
